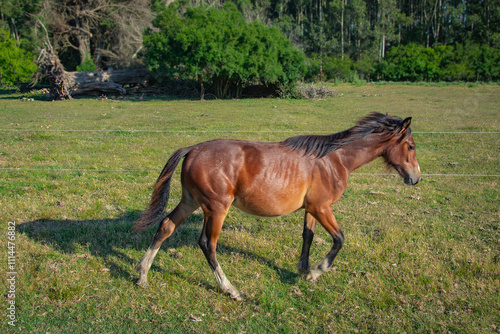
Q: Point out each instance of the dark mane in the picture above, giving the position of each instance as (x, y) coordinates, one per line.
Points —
(322, 145)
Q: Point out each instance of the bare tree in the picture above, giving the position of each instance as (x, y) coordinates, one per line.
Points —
(64, 84)
(53, 70)
(125, 35)
(110, 30)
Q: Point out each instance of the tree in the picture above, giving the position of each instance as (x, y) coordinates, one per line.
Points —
(16, 16)
(16, 65)
(221, 48)
(109, 31)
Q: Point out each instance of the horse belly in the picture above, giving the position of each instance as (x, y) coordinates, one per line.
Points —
(269, 202)
(273, 183)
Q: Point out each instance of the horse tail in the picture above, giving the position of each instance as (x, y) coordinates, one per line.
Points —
(161, 192)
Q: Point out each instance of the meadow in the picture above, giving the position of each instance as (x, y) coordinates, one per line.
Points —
(74, 176)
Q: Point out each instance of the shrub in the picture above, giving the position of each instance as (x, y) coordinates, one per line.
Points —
(16, 65)
(404, 63)
(312, 91)
(87, 65)
(340, 70)
(220, 48)
(336, 68)
(485, 62)
(443, 63)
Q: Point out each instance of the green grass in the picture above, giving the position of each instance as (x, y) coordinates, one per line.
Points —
(416, 259)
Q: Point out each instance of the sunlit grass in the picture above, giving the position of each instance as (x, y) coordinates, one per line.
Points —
(416, 259)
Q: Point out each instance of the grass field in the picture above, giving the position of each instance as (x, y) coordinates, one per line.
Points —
(75, 174)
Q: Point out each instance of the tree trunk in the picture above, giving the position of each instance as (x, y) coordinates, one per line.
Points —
(383, 47)
(64, 84)
(202, 87)
(106, 82)
(14, 32)
(54, 71)
(83, 37)
(342, 32)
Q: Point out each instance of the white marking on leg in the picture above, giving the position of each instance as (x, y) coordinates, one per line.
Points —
(318, 270)
(148, 258)
(145, 264)
(225, 285)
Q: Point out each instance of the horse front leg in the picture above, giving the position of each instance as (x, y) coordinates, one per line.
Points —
(327, 219)
(307, 238)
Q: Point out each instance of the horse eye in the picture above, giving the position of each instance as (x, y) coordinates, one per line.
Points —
(411, 147)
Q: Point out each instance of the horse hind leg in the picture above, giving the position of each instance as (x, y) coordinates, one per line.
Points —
(208, 244)
(165, 230)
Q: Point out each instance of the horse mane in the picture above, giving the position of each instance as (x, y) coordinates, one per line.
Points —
(320, 146)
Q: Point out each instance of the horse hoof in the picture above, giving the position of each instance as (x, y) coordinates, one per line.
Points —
(234, 294)
(237, 297)
(311, 279)
(142, 284)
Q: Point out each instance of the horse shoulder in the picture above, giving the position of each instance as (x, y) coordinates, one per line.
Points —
(329, 179)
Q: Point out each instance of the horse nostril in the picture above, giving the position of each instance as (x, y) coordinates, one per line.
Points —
(412, 181)
(408, 180)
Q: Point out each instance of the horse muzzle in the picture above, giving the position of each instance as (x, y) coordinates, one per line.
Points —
(412, 179)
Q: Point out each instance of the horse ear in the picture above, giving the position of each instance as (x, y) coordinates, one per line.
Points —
(406, 125)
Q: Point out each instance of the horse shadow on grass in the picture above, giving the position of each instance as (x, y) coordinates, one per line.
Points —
(106, 239)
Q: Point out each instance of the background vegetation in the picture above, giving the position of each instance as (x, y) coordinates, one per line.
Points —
(16, 65)
(413, 62)
(75, 174)
(344, 40)
(220, 47)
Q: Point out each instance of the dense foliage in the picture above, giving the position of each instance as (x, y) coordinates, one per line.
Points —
(16, 65)
(344, 40)
(414, 62)
(221, 48)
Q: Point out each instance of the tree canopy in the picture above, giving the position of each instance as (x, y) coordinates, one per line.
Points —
(340, 38)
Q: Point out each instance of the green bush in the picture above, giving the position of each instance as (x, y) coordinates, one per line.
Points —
(220, 48)
(312, 69)
(485, 62)
(87, 65)
(410, 62)
(414, 62)
(337, 69)
(16, 65)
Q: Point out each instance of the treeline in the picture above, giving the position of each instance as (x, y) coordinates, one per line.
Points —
(414, 63)
(360, 28)
(410, 40)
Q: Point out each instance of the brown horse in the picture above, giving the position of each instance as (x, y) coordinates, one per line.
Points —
(272, 179)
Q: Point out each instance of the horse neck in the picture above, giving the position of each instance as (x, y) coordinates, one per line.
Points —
(361, 152)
